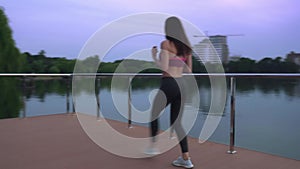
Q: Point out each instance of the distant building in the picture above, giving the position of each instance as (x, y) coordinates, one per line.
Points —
(220, 44)
(213, 49)
(293, 57)
(205, 52)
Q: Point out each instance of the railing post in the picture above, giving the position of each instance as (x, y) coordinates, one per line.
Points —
(98, 97)
(129, 103)
(73, 100)
(68, 95)
(24, 96)
(73, 105)
(232, 116)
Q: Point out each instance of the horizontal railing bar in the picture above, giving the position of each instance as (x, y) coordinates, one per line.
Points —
(261, 75)
(34, 74)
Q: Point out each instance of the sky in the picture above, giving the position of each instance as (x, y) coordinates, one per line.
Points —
(270, 28)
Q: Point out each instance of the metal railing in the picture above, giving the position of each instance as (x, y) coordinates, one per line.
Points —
(236, 75)
(232, 77)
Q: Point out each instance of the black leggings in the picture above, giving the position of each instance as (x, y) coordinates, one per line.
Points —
(171, 91)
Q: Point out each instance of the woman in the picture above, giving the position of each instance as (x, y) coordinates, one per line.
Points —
(174, 59)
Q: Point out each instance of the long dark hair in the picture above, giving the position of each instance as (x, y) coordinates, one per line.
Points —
(175, 33)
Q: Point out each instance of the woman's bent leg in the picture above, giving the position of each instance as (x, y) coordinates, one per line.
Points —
(160, 102)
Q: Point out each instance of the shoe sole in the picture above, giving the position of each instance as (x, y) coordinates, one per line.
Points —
(179, 165)
(151, 154)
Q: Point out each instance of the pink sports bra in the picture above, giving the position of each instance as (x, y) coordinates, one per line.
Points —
(177, 61)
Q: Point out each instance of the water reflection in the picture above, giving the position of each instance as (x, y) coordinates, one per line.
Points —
(289, 86)
(10, 98)
(40, 88)
(14, 89)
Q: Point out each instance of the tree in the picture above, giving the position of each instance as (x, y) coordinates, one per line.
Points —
(42, 53)
(197, 66)
(243, 65)
(10, 57)
(88, 65)
(10, 62)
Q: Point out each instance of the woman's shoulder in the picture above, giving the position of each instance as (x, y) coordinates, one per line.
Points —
(165, 43)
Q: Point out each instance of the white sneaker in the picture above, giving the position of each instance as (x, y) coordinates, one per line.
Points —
(180, 162)
(152, 151)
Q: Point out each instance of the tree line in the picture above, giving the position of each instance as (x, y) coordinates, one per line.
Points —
(247, 65)
(265, 65)
(41, 64)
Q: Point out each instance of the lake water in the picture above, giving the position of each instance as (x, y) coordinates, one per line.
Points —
(267, 110)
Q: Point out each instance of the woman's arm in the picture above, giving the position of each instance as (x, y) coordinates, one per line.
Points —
(163, 61)
(189, 65)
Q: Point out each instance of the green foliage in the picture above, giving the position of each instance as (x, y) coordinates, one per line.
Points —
(10, 58)
(10, 62)
(198, 67)
(265, 65)
(42, 64)
(128, 66)
(107, 67)
(88, 65)
(243, 65)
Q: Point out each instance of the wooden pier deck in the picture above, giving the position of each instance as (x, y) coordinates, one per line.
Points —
(59, 142)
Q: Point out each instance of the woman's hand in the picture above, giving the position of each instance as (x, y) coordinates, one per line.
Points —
(154, 53)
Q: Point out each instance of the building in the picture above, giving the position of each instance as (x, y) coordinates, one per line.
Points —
(213, 49)
(205, 52)
(293, 57)
(220, 44)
